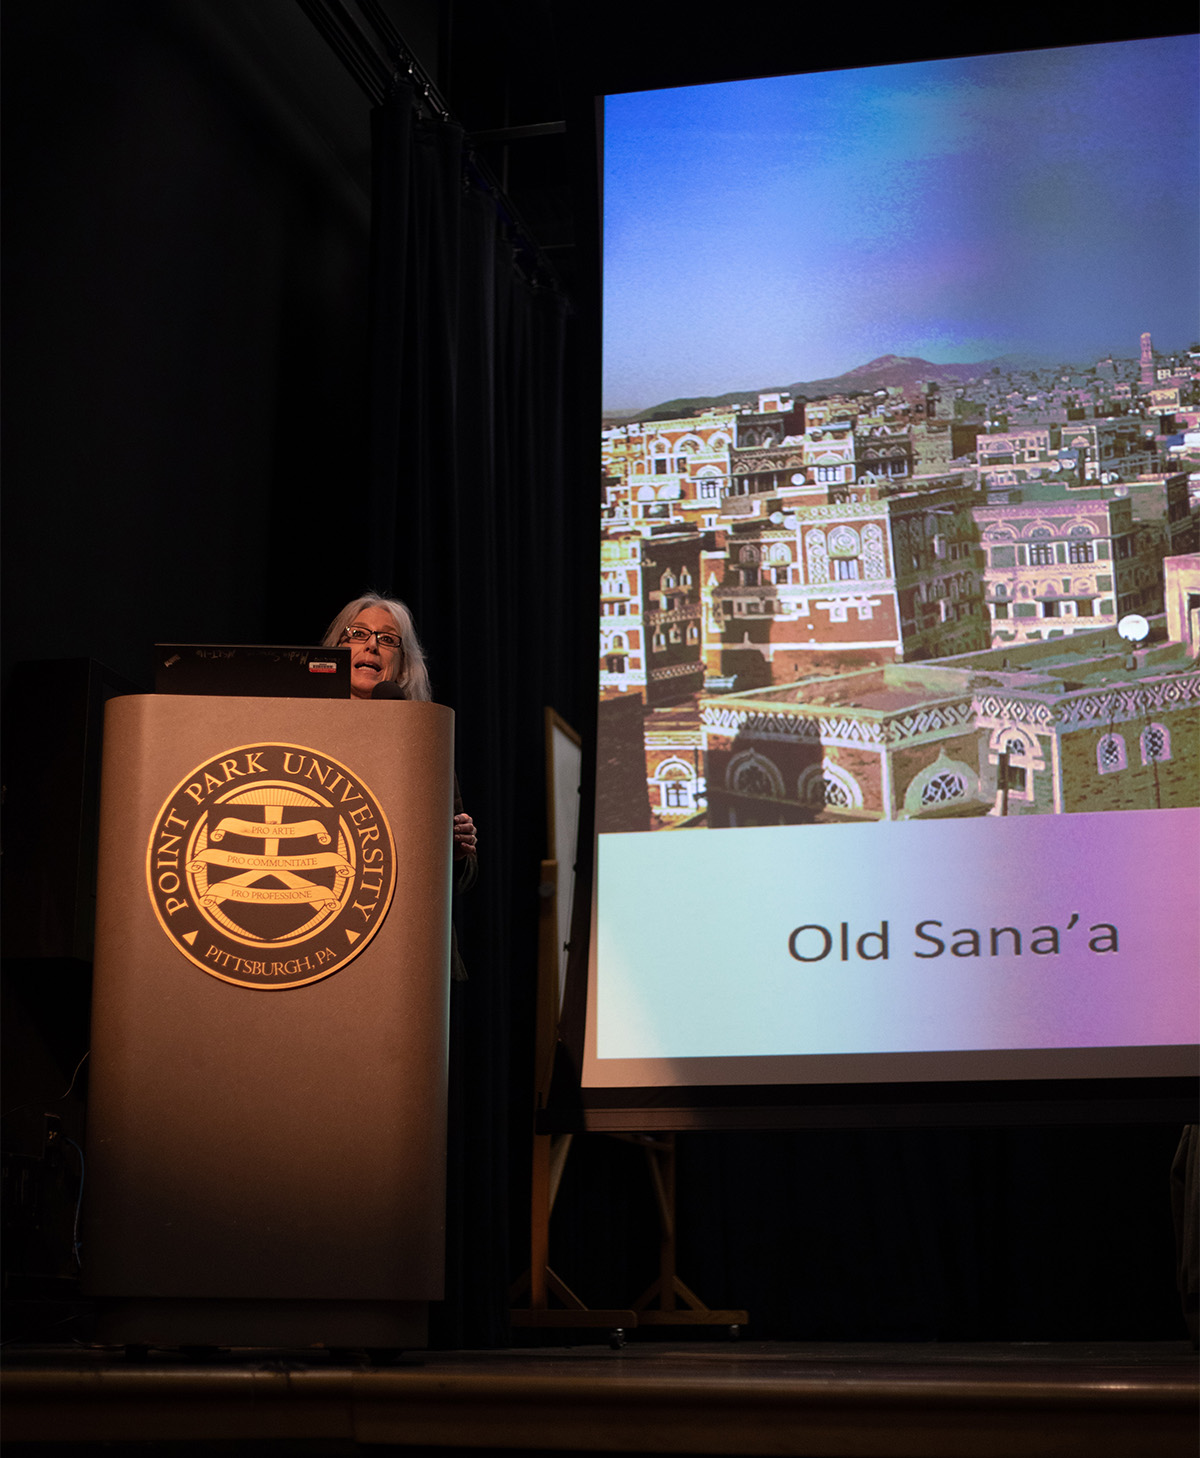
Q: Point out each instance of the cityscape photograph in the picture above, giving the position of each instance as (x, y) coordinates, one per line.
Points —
(925, 583)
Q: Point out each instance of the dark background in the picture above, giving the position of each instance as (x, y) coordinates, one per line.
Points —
(192, 451)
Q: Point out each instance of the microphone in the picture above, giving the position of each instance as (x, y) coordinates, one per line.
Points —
(387, 691)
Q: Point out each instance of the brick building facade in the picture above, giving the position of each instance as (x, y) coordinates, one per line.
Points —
(1061, 560)
(1048, 728)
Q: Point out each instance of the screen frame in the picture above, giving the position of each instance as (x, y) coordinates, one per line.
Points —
(572, 1107)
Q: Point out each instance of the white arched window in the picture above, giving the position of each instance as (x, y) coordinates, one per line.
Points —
(1110, 754)
(844, 542)
(1080, 548)
(943, 788)
(945, 783)
(676, 782)
(1155, 744)
(873, 552)
(829, 784)
(818, 555)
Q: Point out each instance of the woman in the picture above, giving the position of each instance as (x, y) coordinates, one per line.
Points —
(399, 659)
(384, 648)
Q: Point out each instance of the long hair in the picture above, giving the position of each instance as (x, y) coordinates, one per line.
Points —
(409, 671)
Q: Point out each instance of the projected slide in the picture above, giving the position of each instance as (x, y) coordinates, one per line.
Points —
(899, 729)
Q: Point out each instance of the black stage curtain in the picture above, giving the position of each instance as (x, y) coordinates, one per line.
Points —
(469, 518)
(480, 511)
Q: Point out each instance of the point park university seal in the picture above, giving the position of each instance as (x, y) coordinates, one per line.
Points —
(271, 865)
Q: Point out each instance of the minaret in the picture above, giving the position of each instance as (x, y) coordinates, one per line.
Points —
(1147, 363)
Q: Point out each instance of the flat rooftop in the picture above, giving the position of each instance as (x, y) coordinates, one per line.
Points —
(1062, 666)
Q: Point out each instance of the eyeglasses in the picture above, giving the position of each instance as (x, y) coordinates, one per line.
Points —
(364, 635)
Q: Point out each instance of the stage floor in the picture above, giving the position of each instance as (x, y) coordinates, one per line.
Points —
(1104, 1400)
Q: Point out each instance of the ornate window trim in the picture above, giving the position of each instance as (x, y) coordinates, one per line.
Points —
(1145, 743)
(678, 786)
(931, 789)
(675, 768)
(844, 541)
(1110, 754)
(827, 784)
(751, 762)
(818, 556)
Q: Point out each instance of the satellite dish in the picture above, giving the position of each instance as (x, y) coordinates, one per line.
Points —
(790, 523)
(776, 518)
(1133, 628)
(799, 479)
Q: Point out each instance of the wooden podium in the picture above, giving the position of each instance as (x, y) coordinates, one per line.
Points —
(267, 1108)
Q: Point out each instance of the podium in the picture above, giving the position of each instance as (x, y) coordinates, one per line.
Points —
(267, 1104)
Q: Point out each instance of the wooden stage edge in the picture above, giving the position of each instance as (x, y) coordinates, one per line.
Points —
(1094, 1400)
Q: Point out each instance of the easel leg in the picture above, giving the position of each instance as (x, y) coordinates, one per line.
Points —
(539, 1223)
(660, 1155)
(549, 1158)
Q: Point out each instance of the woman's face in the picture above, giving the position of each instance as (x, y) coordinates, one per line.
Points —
(372, 662)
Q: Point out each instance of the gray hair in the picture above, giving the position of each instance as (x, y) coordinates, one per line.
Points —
(410, 671)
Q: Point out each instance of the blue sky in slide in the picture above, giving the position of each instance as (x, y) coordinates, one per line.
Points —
(758, 233)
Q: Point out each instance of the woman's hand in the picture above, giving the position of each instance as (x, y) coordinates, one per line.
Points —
(464, 837)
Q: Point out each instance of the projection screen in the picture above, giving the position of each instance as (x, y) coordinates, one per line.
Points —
(898, 751)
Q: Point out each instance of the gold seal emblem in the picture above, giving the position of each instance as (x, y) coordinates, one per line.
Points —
(271, 865)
